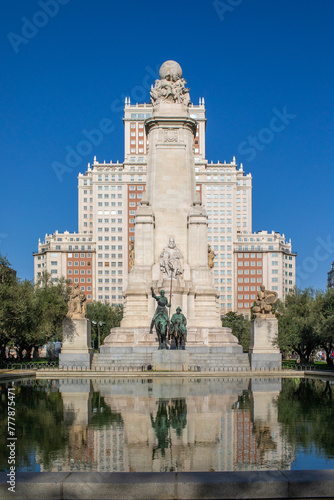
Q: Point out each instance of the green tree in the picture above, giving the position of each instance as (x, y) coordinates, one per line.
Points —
(240, 328)
(38, 314)
(8, 299)
(324, 306)
(297, 329)
(102, 413)
(30, 315)
(40, 424)
(7, 273)
(109, 315)
(25, 319)
(305, 408)
(51, 305)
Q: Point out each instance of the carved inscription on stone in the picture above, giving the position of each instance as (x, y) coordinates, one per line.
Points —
(170, 135)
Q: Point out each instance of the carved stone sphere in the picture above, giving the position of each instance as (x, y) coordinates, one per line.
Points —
(170, 70)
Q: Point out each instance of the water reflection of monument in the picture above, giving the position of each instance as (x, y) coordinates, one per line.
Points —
(211, 424)
(77, 413)
(170, 415)
(273, 449)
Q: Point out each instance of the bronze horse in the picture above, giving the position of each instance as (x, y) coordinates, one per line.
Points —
(177, 332)
(161, 327)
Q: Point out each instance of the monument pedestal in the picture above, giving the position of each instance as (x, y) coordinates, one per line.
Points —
(209, 349)
(263, 355)
(170, 360)
(196, 337)
(76, 350)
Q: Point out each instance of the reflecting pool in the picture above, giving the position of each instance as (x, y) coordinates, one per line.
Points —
(171, 424)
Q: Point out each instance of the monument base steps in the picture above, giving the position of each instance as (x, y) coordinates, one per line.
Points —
(200, 358)
(208, 349)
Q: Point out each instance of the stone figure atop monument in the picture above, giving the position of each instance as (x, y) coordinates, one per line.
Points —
(265, 301)
(171, 260)
(211, 256)
(77, 304)
(132, 255)
(171, 86)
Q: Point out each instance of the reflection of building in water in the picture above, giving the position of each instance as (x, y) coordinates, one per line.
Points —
(187, 425)
(246, 446)
(109, 449)
(259, 444)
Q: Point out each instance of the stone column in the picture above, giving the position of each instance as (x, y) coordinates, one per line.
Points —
(76, 350)
(263, 354)
(170, 173)
(206, 307)
(137, 296)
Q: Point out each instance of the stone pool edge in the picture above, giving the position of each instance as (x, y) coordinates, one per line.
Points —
(72, 374)
(286, 484)
(60, 374)
(42, 374)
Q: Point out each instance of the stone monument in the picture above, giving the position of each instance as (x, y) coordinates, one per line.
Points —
(76, 349)
(170, 244)
(263, 354)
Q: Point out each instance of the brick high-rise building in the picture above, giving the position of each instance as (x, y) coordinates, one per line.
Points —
(71, 255)
(262, 258)
(109, 194)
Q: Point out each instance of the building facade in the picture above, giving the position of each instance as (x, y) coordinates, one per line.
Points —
(262, 258)
(330, 277)
(68, 255)
(108, 196)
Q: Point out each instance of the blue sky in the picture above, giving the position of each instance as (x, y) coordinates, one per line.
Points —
(249, 59)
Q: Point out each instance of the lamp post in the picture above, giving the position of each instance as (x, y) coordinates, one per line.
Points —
(98, 324)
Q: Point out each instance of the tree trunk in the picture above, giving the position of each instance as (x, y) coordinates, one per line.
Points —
(328, 358)
(19, 352)
(3, 352)
(36, 352)
(303, 356)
